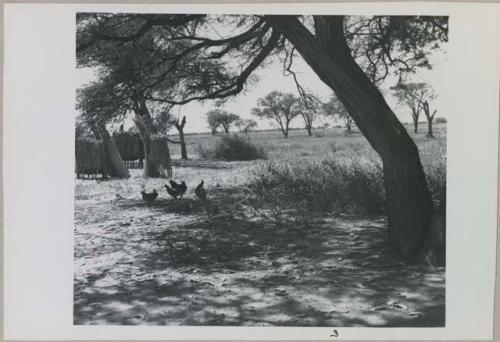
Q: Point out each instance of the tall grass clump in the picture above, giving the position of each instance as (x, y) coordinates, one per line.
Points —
(345, 185)
(349, 186)
(233, 147)
(434, 162)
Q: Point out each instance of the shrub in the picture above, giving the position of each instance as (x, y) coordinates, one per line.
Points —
(440, 120)
(352, 185)
(328, 185)
(233, 147)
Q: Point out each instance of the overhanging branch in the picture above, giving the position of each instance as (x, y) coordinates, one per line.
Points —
(237, 86)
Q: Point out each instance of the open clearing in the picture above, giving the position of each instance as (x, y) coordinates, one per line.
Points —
(233, 261)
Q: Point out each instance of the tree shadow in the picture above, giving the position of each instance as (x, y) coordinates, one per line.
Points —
(174, 267)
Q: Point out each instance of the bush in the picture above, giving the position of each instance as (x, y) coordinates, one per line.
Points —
(329, 185)
(353, 185)
(233, 147)
(440, 120)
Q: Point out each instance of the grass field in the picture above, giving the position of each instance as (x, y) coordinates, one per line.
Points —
(243, 259)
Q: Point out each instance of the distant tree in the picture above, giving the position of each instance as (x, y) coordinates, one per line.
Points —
(407, 94)
(310, 108)
(279, 107)
(417, 96)
(335, 108)
(220, 118)
(213, 121)
(227, 120)
(246, 126)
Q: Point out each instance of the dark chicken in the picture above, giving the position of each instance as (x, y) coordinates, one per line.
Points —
(175, 189)
(149, 197)
(200, 192)
(181, 188)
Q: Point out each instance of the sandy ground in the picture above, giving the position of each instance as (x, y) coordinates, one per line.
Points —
(232, 262)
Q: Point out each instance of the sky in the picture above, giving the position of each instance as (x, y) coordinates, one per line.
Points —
(271, 78)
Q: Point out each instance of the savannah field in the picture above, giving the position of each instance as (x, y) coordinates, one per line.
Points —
(296, 239)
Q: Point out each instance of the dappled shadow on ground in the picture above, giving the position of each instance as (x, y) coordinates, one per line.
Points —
(188, 262)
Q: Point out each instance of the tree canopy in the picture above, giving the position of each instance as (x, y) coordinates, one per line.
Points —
(186, 50)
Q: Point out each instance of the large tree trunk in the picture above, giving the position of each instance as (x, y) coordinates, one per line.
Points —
(409, 204)
(116, 165)
(157, 162)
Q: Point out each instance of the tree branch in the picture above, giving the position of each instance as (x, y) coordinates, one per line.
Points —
(237, 85)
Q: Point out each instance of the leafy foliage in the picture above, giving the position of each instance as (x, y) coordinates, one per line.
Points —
(99, 103)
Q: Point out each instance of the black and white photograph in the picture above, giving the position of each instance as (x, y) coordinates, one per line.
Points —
(260, 170)
(250, 171)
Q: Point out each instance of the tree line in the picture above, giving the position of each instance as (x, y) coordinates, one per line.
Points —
(281, 108)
